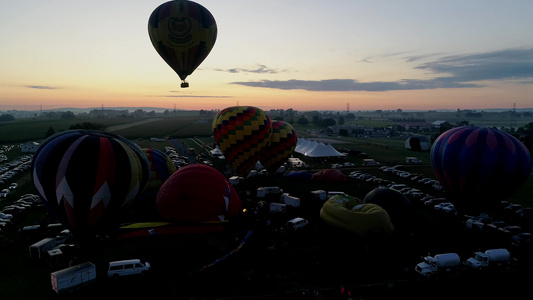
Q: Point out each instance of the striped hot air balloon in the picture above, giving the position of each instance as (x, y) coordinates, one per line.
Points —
(86, 178)
(281, 146)
(480, 165)
(240, 133)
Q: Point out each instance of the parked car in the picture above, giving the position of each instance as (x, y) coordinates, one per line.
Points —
(4, 193)
(523, 239)
(13, 186)
(435, 201)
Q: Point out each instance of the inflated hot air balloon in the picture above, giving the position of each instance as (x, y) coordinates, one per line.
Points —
(86, 178)
(183, 33)
(281, 146)
(241, 132)
(198, 193)
(477, 165)
(161, 167)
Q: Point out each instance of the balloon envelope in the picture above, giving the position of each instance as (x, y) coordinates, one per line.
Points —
(479, 165)
(281, 146)
(241, 132)
(349, 213)
(197, 193)
(87, 178)
(183, 33)
(394, 203)
(161, 167)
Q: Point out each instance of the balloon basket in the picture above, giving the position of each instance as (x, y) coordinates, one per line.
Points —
(184, 85)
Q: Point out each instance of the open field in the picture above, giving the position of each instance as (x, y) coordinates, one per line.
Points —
(307, 261)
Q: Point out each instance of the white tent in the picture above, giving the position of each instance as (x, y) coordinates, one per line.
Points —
(324, 151)
(216, 151)
(301, 144)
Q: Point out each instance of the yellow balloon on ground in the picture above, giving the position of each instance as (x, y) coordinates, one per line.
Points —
(351, 214)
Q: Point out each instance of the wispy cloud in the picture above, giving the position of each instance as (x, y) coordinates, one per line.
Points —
(453, 71)
(41, 87)
(346, 85)
(192, 96)
(260, 69)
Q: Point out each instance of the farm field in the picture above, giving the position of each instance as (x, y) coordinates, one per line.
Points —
(307, 261)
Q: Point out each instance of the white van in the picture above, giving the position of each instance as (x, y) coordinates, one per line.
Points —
(127, 267)
(297, 223)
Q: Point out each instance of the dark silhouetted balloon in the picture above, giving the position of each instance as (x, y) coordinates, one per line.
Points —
(478, 165)
(197, 193)
(241, 132)
(183, 33)
(161, 167)
(86, 178)
(395, 203)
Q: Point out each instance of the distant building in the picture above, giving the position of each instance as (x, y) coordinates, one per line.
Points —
(30, 147)
(441, 124)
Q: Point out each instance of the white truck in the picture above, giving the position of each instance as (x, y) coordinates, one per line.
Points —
(39, 249)
(268, 190)
(290, 200)
(489, 258)
(73, 277)
(432, 265)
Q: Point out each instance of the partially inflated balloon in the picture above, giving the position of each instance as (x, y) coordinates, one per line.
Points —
(241, 132)
(183, 33)
(479, 165)
(198, 193)
(161, 167)
(86, 178)
(280, 147)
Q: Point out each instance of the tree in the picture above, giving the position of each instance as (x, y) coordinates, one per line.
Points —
(6, 117)
(302, 121)
(341, 120)
(50, 132)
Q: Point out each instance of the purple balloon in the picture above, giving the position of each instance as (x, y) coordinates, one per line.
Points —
(479, 164)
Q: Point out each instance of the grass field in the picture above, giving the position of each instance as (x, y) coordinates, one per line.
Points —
(193, 132)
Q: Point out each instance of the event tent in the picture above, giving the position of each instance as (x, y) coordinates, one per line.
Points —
(315, 149)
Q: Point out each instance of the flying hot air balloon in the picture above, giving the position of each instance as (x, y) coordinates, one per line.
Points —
(87, 178)
(281, 146)
(240, 133)
(479, 166)
(183, 33)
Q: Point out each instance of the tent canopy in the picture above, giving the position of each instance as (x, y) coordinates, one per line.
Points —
(315, 149)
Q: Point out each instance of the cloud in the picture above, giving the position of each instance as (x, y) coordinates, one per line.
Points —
(261, 69)
(41, 87)
(497, 65)
(346, 85)
(193, 96)
(452, 71)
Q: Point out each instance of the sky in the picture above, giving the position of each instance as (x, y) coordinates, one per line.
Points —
(346, 55)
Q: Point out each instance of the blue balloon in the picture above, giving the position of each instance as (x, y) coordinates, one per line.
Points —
(479, 164)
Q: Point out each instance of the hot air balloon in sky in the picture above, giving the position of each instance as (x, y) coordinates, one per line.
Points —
(183, 33)
(240, 133)
(86, 178)
(281, 146)
(479, 165)
(197, 193)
